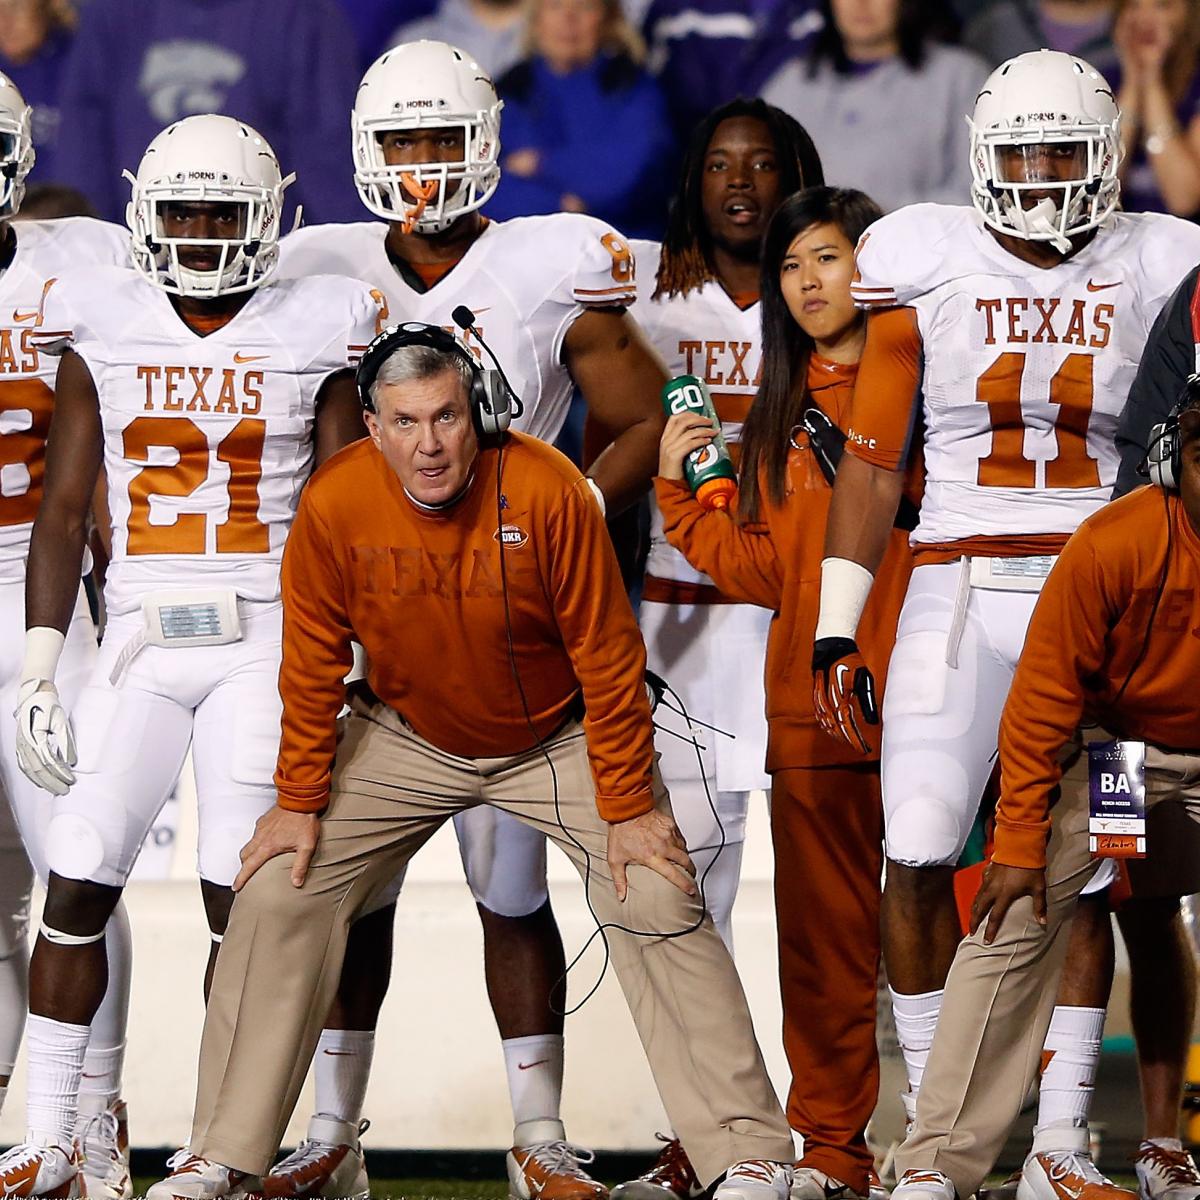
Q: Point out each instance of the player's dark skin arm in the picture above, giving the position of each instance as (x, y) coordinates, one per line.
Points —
(861, 512)
(620, 376)
(74, 453)
(339, 416)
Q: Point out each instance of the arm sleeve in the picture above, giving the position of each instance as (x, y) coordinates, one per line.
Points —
(740, 560)
(887, 391)
(316, 659)
(605, 647)
(1167, 361)
(1063, 647)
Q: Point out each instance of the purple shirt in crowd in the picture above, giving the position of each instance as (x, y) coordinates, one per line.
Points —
(289, 68)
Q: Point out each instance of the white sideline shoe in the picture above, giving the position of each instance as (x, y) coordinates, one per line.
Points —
(1060, 1167)
(756, 1179)
(102, 1140)
(195, 1178)
(1164, 1173)
(924, 1185)
(329, 1162)
(44, 1171)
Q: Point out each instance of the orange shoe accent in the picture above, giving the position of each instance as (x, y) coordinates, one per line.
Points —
(551, 1171)
(277, 1184)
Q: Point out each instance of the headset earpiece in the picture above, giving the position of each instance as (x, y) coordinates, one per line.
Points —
(1162, 458)
(489, 399)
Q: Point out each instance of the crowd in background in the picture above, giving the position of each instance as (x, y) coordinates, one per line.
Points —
(598, 94)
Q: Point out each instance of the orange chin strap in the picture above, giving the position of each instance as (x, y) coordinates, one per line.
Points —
(421, 193)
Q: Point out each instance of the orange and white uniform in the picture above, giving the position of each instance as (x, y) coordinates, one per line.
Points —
(207, 444)
(1013, 378)
(526, 281)
(711, 650)
(45, 250)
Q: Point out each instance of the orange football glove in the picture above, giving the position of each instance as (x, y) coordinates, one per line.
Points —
(843, 691)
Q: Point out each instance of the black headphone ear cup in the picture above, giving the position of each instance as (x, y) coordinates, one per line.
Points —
(491, 403)
(1163, 457)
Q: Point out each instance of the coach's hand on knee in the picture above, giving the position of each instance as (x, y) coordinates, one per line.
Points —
(652, 840)
(280, 831)
(1002, 887)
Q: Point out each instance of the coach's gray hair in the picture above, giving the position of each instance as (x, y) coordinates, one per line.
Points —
(408, 363)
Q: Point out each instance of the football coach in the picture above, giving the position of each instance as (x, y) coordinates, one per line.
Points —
(505, 668)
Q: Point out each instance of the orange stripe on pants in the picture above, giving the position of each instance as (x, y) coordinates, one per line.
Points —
(827, 829)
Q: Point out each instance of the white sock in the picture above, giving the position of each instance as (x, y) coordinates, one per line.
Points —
(56, 1052)
(340, 1072)
(534, 1066)
(916, 1019)
(1069, 1060)
(102, 1073)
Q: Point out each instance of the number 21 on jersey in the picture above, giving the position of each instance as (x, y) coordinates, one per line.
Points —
(241, 450)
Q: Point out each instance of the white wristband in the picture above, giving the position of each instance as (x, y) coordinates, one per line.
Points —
(43, 649)
(598, 494)
(845, 586)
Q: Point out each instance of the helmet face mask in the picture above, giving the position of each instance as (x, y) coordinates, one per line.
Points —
(16, 147)
(207, 167)
(1045, 148)
(424, 89)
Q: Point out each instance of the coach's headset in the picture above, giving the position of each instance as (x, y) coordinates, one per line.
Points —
(492, 401)
(1163, 458)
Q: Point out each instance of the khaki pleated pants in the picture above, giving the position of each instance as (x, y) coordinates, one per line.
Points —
(282, 954)
(999, 998)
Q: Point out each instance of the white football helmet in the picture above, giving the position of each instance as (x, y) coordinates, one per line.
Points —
(210, 159)
(426, 85)
(16, 146)
(1063, 106)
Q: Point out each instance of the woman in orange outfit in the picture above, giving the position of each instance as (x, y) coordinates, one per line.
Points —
(826, 812)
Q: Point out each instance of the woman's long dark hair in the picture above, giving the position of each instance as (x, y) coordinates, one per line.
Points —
(917, 23)
(783, 392)
(686, 259)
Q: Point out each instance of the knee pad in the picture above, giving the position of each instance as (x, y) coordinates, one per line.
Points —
(76, 848)
(504, 860)
(927, 831)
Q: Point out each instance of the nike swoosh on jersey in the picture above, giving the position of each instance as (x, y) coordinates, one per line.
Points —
(239, 357)
(29, 316)
(528, 1066)
(1101, 287)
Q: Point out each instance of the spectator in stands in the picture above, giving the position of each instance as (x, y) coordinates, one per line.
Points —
(138, 65)
(491, 30)
(1007, 28)
(884, 101)
(34, 38)
(372, 22)
(1158, 89)
(706, 52)
(585, 128)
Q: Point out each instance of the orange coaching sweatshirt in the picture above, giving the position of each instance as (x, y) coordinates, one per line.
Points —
(1092, 655)
(422, 592)
(777, 564)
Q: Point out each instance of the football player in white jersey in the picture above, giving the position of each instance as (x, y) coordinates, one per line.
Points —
(698, 301)
(1005, 335)
(32, 255)
(548, 295)
(206, 393)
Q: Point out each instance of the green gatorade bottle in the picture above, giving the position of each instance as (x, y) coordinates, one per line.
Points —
(709, 471)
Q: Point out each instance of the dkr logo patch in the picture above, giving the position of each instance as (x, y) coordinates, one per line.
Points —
(512, 536)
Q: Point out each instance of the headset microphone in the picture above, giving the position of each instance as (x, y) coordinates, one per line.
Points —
(464, 318)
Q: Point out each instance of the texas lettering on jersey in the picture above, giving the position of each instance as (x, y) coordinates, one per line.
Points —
(207, 441)
(1016, 374)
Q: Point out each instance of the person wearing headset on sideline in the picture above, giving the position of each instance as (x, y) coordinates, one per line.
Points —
(506, 668)
(1110, 644)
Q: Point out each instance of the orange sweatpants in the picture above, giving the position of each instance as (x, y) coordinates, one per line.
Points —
(827, 828)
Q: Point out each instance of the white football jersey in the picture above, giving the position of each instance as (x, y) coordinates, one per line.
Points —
(706, 334)
(525, 280)
(45, 250)
(1024, 370)
(207, 440)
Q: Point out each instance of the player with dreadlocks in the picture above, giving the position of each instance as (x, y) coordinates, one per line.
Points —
(699, 304)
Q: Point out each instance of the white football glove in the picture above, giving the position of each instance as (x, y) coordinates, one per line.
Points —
(45, 743)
